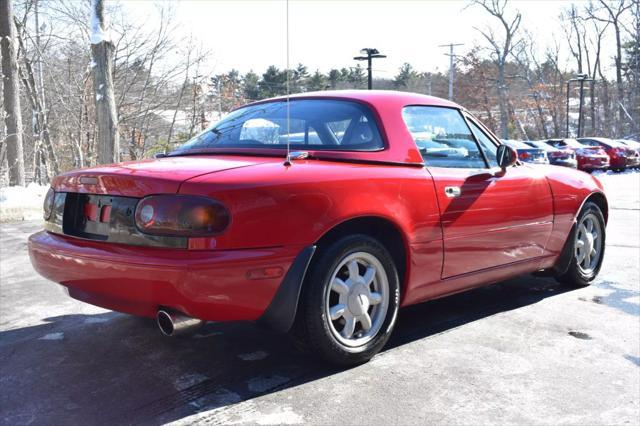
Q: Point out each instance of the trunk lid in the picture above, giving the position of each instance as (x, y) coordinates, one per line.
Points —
(154, 176)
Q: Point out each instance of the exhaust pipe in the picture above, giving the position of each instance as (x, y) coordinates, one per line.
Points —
(172, 323)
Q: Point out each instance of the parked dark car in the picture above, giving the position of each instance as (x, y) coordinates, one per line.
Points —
(620, 155)
(589, 157)
(630, 143)
(528, 153)
(635, 145)
(557, 156)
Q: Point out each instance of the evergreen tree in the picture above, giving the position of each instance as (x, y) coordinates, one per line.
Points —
(251, 86)
(317, 81)
(299, 78)
(273, 83)
(357, 76)
(406, 75)
(334, 78)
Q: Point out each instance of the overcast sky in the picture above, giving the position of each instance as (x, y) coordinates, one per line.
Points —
(327, 34)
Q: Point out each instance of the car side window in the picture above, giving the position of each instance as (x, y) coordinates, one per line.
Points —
(488, 147)
(443, 137)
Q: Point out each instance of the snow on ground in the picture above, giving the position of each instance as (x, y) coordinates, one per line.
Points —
(621, 188)
(22, 203)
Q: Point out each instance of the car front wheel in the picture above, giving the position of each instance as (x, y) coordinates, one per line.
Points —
(588, 247)
(349, 301)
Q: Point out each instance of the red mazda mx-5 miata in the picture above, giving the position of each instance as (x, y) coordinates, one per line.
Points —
(384, 200)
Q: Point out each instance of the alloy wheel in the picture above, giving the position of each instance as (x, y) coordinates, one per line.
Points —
(588, 244)
(357, 299)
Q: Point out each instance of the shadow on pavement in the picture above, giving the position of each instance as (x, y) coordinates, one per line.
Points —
(112, 368)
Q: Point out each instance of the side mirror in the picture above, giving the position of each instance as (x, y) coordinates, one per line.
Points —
(507, 156)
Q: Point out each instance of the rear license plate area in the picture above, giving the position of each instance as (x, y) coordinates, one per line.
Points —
(88, 216)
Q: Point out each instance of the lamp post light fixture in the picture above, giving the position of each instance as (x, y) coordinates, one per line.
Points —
(582, 78)
(370, 55)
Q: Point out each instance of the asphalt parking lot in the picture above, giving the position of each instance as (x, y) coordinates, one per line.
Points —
(524, 351)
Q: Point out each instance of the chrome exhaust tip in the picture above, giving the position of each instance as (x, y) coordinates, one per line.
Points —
(172, 323)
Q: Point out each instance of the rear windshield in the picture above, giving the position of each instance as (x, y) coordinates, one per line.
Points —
(313, 124)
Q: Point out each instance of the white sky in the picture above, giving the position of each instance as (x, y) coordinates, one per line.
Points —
(327, 34)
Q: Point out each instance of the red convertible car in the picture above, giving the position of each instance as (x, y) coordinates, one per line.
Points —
(384, 200)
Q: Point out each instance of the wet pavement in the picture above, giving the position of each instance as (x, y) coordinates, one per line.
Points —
(523, 351)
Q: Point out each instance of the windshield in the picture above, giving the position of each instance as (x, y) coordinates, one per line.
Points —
(573, 143)
(541, 145)
(515, 144)
(314, 124)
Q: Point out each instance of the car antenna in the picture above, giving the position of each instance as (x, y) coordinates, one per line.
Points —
(287, 160)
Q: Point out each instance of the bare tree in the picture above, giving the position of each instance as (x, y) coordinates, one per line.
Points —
(501, 50)
(13, 116)
(102, 50)
(40, 125)
(612, 12)
(531, 72)
(575, 33)
(596, 44)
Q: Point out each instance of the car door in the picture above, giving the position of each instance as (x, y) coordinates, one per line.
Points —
(489, 217)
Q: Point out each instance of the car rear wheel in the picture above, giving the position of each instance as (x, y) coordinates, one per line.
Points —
(588, 247)
(349, 302)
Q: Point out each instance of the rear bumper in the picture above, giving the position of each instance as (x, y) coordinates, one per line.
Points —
(633, 161)
(570, 162)
(618, 162)
(209, 285)
(593, 163)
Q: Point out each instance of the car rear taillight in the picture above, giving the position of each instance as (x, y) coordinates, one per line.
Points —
(523, 155)
(47, 206)
(181, 215)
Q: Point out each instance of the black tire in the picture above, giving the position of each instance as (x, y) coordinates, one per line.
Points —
(575, 275)
(311, 331)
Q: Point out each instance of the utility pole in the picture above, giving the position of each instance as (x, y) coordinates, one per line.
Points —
(451, 65)
(371, 54)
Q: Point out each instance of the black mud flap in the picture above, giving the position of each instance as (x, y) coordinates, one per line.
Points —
(281, 312)
(562, 264)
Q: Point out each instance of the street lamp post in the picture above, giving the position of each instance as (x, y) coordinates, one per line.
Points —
(370, 55)
(582, 78)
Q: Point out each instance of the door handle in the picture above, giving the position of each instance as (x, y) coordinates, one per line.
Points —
(452, 191)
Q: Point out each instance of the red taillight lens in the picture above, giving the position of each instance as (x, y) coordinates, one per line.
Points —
(47, 206)
(524, 155)
(181, 215)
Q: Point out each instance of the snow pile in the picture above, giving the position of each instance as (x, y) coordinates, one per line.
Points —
(22, 203)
